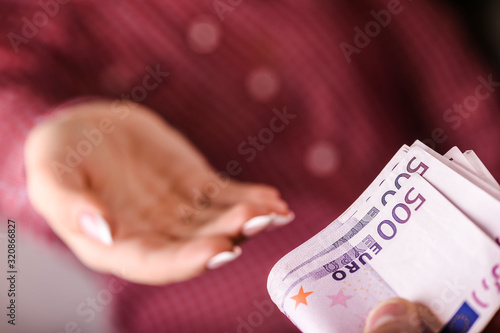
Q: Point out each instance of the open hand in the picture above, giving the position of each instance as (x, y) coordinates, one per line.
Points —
(131, 196)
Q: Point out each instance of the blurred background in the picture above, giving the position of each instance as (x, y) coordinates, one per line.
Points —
(57, 294)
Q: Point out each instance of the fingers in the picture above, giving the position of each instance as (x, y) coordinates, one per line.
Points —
(155, 260)
(245, 209)
(81, 221)
(247, 219)
(237, 192)
(395, 316)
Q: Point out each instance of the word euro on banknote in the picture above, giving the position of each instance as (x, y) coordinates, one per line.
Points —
(405, 236)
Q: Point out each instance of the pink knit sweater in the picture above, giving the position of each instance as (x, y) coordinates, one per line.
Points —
(312, 97)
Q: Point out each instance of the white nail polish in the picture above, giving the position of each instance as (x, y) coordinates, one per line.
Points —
(223, 258)
(96, 227)
(257, 224)
(280, 220)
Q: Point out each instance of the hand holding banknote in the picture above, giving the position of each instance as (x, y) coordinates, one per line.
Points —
(399, 315)
(395, 316)
(426, 230)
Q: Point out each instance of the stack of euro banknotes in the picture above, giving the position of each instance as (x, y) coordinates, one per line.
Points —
(426, 229)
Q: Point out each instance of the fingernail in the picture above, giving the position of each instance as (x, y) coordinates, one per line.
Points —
(280, 220)
(257, 224)
(95, 226)
(223, 258)
(388, 311)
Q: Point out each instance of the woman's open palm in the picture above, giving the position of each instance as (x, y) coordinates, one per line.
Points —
(167, 210)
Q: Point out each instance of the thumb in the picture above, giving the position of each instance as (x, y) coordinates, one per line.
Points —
(69, 207)
(73, 212)
(394, 316)
(66, 203)
(91, 218)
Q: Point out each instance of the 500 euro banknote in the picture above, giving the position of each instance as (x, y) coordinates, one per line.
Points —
(406, 238)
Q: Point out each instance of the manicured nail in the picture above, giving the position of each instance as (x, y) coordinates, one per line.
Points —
(257, 224)
(389, 311)
(95, 226)
(280, 220)
(223, 258)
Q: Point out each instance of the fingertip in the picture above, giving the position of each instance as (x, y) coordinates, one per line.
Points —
(392, 316)
(260, 223)
(96, 227)
(280, 206)
(282, 220)
(223, 258)
(204, 253)
(257, 224)
(91, 217)
(201, 249)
